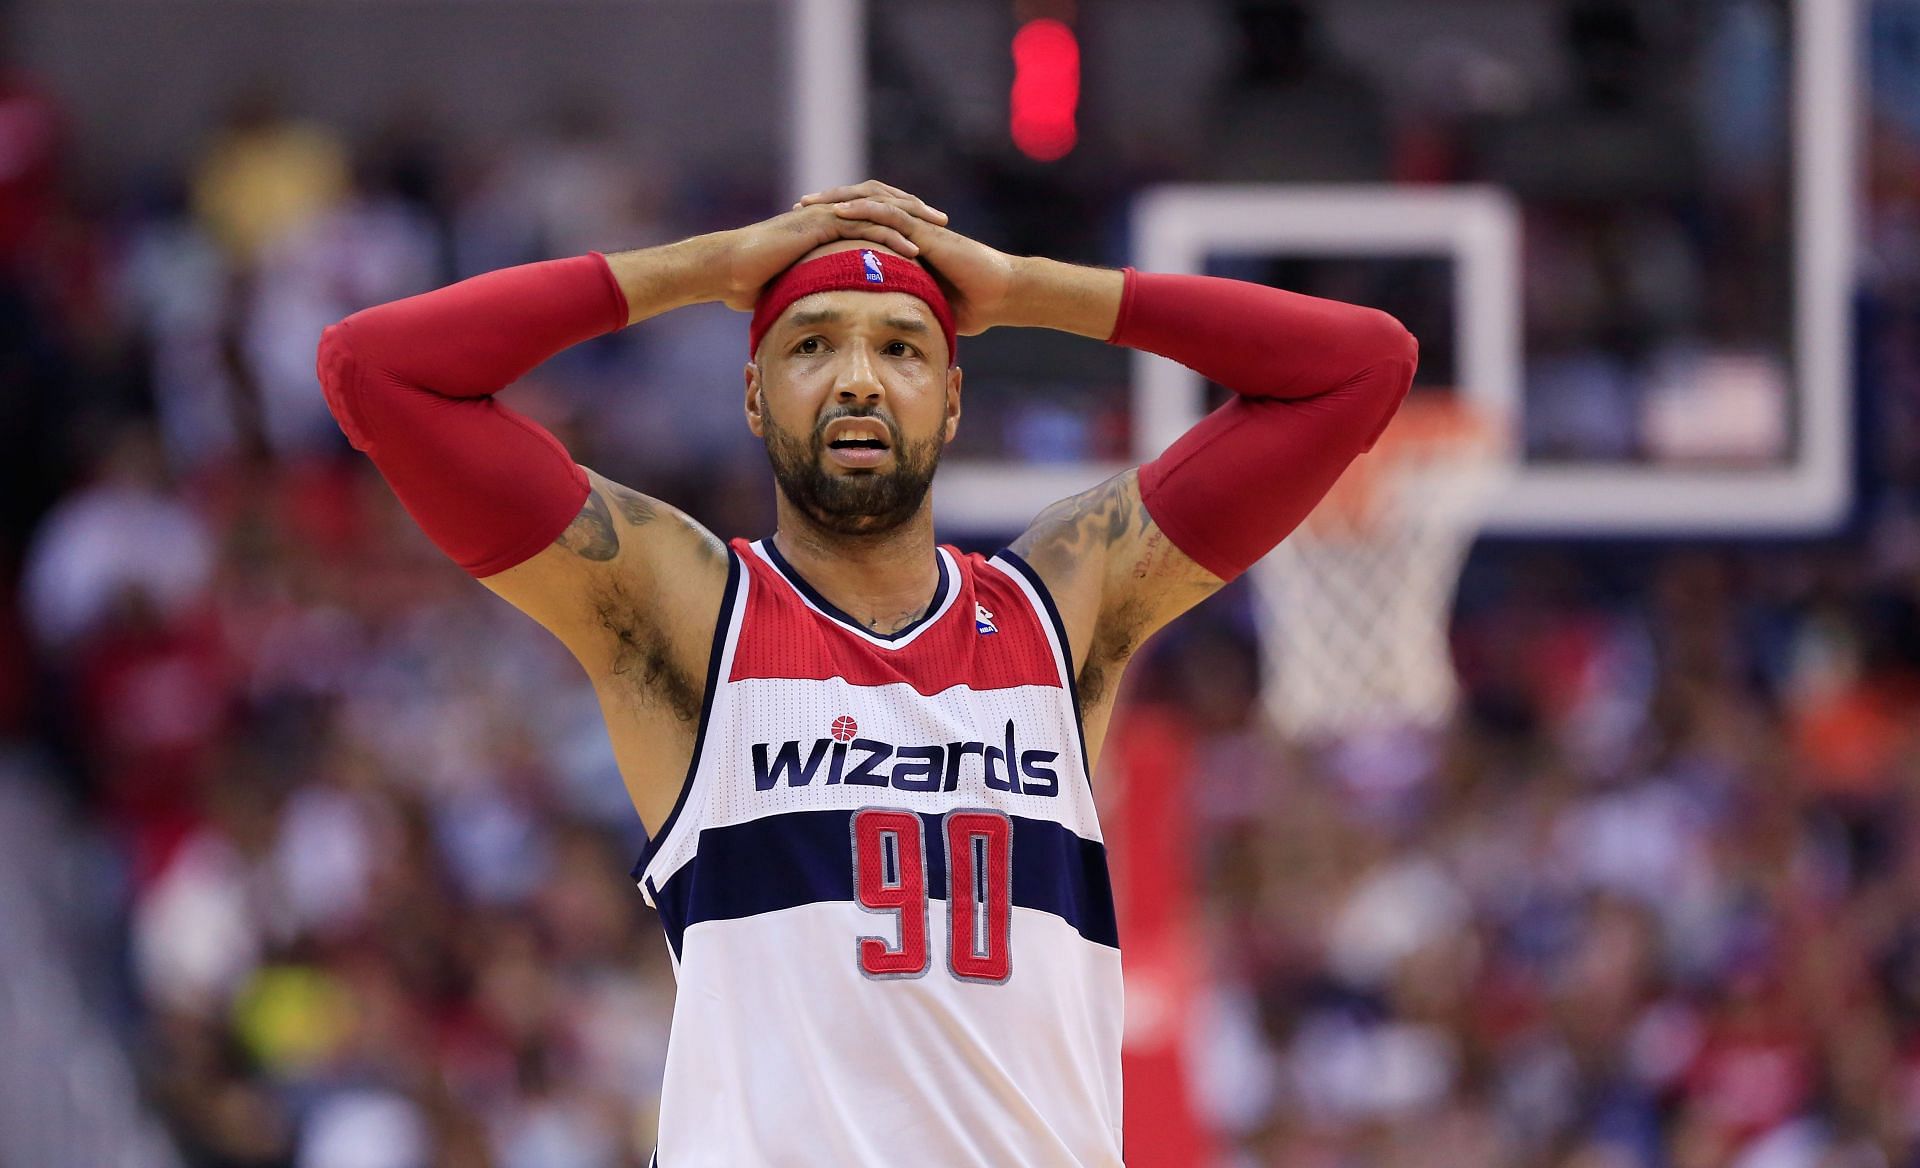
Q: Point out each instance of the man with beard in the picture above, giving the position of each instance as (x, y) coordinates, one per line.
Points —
(862, 757)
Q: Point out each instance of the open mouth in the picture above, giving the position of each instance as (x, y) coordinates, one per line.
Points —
(858, 443)
(857, 452)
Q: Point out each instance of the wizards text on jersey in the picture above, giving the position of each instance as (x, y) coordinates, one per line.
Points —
(932, 767)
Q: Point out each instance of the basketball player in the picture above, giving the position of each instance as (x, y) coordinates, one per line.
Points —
(862, 757)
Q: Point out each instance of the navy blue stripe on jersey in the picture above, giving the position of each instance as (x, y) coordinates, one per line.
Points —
(669, 914)
(1013, 560)
(806, 857)
(727, 600)
(671, 903)
(826, 606)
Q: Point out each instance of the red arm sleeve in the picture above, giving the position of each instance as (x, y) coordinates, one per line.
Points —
(1318, 380)
(412, 382)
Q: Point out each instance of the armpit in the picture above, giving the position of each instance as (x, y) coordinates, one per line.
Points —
(641, 663)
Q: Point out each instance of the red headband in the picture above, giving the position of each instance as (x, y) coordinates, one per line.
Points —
(853, 270)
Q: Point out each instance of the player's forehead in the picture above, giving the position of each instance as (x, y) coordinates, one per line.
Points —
(845, 308)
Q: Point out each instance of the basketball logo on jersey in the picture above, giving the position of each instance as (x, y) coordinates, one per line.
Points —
(983, 620)
(874, 274)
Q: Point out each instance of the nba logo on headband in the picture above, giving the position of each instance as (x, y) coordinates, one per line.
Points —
(874, 274)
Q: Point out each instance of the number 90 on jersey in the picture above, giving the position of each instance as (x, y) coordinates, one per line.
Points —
(890, 876)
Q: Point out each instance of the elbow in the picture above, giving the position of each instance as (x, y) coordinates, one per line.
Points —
(1380, 351)
(335, 356)
(1372, 354)
(1392, 357)
(1387, 343)
(1394, 353)
(332, 362)
(339, 375)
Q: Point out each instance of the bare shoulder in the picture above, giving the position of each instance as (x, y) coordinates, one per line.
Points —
(632, 586)
(1114, 575)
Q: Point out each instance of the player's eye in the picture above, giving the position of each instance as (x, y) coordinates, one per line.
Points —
(900, 349)
(810, 347)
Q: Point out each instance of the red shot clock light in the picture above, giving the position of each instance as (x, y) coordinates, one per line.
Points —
(1046, 89)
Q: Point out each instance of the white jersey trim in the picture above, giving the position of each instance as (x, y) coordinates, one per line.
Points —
(949, 589)
(683, 822)
(1009, 564)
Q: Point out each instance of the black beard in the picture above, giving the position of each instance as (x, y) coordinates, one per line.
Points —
(851, 504)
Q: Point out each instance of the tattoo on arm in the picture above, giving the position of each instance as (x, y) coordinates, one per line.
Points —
(1080, 535)
(592, 534)
(636, 508)
(1149, 552)
(1070, 538)
(1088, 522)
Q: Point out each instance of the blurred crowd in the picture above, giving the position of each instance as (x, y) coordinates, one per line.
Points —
(374, 846)
(1653, 899)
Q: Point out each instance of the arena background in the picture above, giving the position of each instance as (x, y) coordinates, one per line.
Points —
(312, 852)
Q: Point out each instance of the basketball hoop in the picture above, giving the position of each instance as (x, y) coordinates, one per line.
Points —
(1353, 606)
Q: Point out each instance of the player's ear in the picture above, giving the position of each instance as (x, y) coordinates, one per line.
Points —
(756, 401)
(953, 402)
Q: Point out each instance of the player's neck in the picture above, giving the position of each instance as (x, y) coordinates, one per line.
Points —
(885, 580)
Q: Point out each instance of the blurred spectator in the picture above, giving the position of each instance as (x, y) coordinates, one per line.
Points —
(176, 289)
(574, 187)
(122, 535)
(264, 175)
(370, 246)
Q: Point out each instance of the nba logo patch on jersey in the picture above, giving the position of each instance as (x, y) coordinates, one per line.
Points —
(874, 274)
(983, 620)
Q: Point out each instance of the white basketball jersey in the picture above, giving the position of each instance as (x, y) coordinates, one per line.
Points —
(885, 891)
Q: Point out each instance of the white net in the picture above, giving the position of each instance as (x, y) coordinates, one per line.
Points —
(1353, 606)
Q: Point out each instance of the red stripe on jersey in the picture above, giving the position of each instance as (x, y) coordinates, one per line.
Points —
(782, 637)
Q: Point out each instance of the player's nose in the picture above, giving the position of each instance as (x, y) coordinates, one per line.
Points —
(859, 377)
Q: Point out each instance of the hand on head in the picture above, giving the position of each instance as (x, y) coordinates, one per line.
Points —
(977, 279)
(751, 256)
